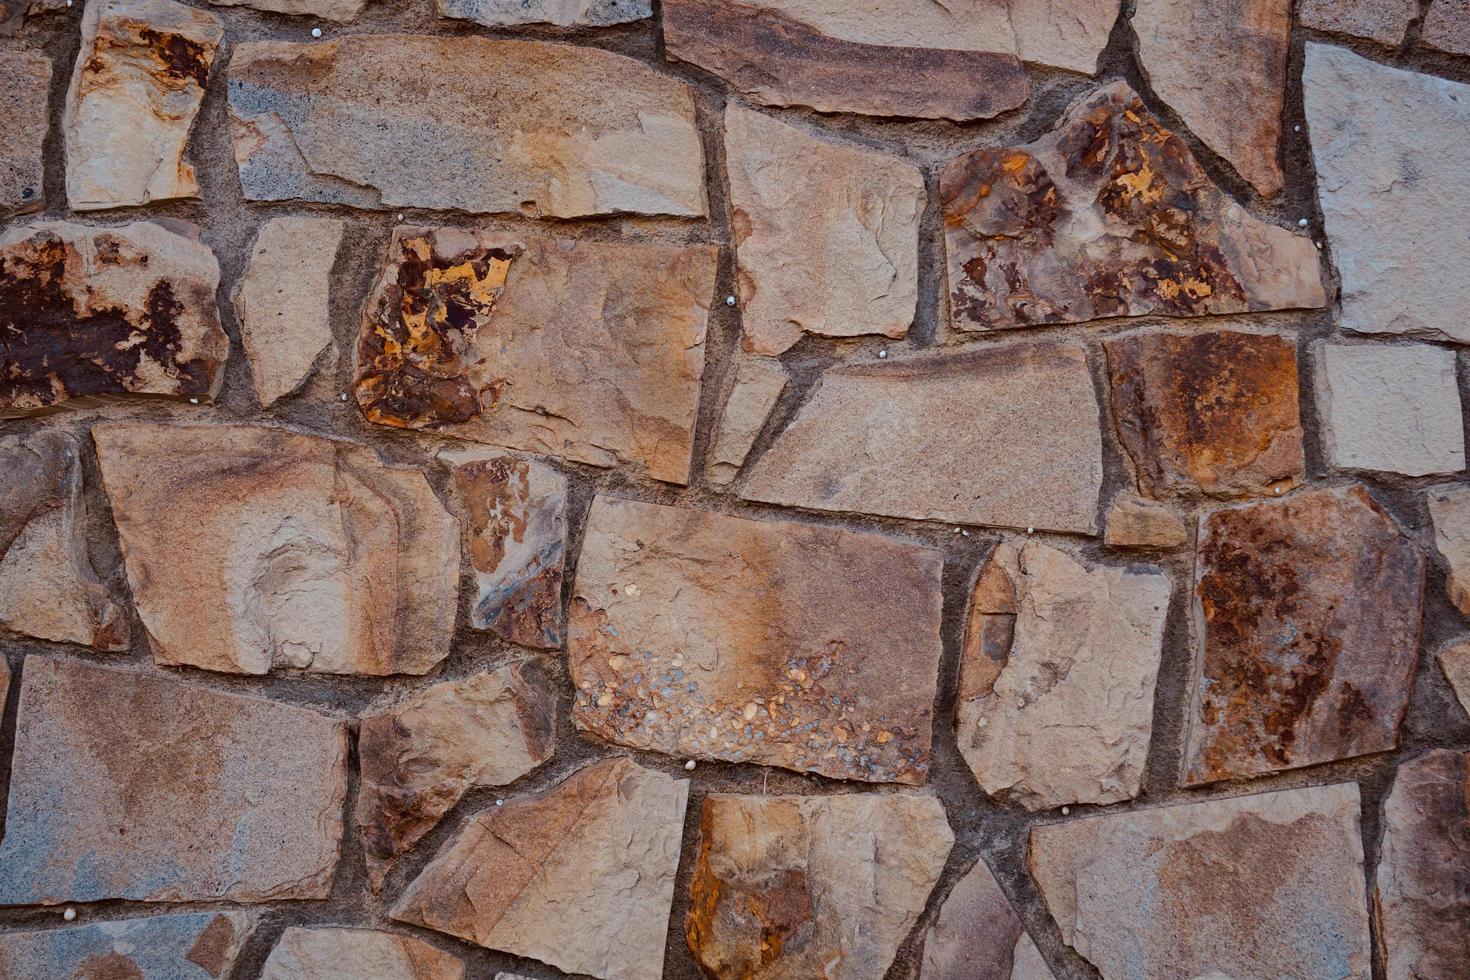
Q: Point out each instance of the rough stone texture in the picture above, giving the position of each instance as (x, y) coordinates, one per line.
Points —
(1212, 412)
(563, 13)
(1007, 436)
(1255, 886)
(418, 758)
(314, 553)
(281, 302)
(362, 954)
(793, 645)
(202, 946)
(1391, 148)
(1454, 660)
(976, 935)
(341, 11)
(1449, 509)
(513, 510)
(25, 80)
(139, 80)
(1423, 900)
(1133, 522)
(1063, 33)
(580, 876)
(757, 386)
(91, 312)
(1447, 26)
(1293, 667)
(1108, 215)
(1063, 712)
(1389, 407)
(578, 349)
(130, 784)
(48, 587)
(497, 126)
(826, 236)
(1384, 21)
(803, 886)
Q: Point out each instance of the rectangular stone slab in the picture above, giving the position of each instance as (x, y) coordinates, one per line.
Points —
(198, 946)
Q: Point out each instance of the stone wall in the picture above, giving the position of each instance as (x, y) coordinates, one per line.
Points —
(772, 489)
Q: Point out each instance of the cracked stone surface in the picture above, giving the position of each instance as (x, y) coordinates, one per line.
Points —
(698, 634)
(200, 946)
(563, 13)
(1447, 26)
(580, 876)
(1454, 660)
(976, 935)
(339, 11)
(1384, 21)
(368, 954)
(1133, 522)
(130, 784)
(317, 555)
(25, 80)
(1449, 510)
(757, 387)
(798, 886)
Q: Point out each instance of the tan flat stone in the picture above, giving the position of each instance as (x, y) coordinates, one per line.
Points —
(25, 87)
(976, 935)
(1384, 21)
(1454, 660)
(757, 387)
(364, 954)
(563, 13)
(1063, 33)
(340, 11)
(1447, 27)
(1449, 510)
(1133, 522)
(202, 944)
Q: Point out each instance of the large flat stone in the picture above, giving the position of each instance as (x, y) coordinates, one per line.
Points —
(588, 351)
(1293, 668)
(1454, 660)
(1447, 27)
(1007, 436)
(1109, 215)
(364, 954)
(1449, 509)
(311, 552)
(463, 123)
(200, 946)
(563, 13)
(1384, 21)
(25, 86)
(756, 388)
(127, 783)
(341, 11)
(976, 935)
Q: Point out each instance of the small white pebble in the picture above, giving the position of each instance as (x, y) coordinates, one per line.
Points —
(500, 803)
(1066, 810)
(69, 914)
(398, 216)
(883, 353)
(1302, 223)
(956, 530)
(193, 401)
(689, 765)
(1031, 530)
(965, 533)
(1319, 245)
(316, 32)
(1296, 129)
(343, 396)
(729, 300)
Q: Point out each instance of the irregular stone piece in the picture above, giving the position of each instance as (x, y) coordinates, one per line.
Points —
(977, 936)
(808, 886)
(583, 350)
(580, 876)
(1133, 522)
(758, 385)
(699, 634)
(826, 236)
(1449, 509)
(1390, 149)
(1384, 21)
(1212, 412)
(1423, 898)
(420, 757)
(1447, 27)
(514, 515)
(130, 784)
(314, 553)
(1007, 436)
(138, 82)
(91, 312)
(364, 954)
(1063, 711)
(558, 130)
(48, 587)
(281, 302)
(1063, 33)
(1293, 667)
(1254, 886)
(1454, 660)
(25, 84)
(1390, 407)
(4, 680)
(1109, 215)
(341, 11)
(202, 946)
(563, 13)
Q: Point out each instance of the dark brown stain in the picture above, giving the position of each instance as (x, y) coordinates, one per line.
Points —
(181, 58)
(212, 951)
(108, 966)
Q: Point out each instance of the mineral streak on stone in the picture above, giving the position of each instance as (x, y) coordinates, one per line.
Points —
(1212, 412)
(420, 757)
(1109, 215)
(341, 11)
(563, 13)
(583, 350)
(315, 554)
(202, 946)
(25, 81)
(1447, 27)
(811, 886)
(91, 312)
(1454, 660)
(130, 784)
(365, 954)
(580, 876)
(1449, 509)
(1133, 522)
(758, 385)
(783, 644)
(977, 936)
(1390, 149)
(496, 126)
(514, 515)
(1057, 677)
(826, 236)
(1295, 666)
(138, 82)
(1007, 436)
(1254, 886)
(1423, 900)
(1384, 21)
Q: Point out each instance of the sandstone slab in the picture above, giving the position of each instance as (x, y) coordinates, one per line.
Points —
(1447, 27)
(1133, 522)
(281, 302)
(807, 886)
(826, 236)
(130, 784)
(1212, 412)
(139, 79)
(25, 85)
(1007, 436)
(1109, 215)
(977, 936)
(340, 11)
(1254, 886)
(1454, 660)
(495, 126)
(202, 946)
(1063, 33)
(588, 351)
(580, 876)
(1384, 21)
(784, 644)
(363, 954)
(1389, 407)
(1061, 710)
(563, 13)
(1449, 509)
(1293, 668)
(92, 312)
(757, 387)
(315, 554)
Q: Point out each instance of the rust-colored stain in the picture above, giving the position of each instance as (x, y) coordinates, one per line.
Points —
(213, 951)
(111, 965)
(172, 60)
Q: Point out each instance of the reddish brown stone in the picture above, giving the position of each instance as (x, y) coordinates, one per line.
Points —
(976, 935)
(1447, 27)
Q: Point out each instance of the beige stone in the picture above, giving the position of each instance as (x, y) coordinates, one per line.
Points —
(976, 935)
(362, 954)
(1447, 26)
(563, 13)
(340, 11)
(25, 85)
(313, 553)
(1133, 522)
(1063, 33)
(1384, 21)
(200, 945)
(757, 387)
(1454, 660)
(1449, 509)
